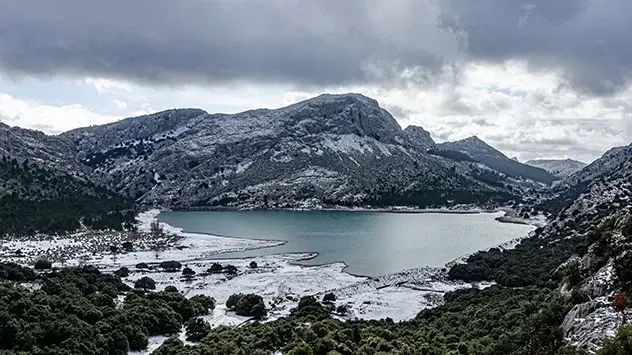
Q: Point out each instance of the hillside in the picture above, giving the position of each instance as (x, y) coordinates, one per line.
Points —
(45, 189)
(474, 149)
(329, 150)
(39, 200)
(558, 167)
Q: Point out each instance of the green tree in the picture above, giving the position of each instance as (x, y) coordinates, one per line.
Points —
(145, 283)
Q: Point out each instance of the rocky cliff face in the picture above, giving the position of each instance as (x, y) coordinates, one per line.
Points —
(419, 137)
(338, 149)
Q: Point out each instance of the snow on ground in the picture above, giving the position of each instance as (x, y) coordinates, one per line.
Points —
(277, 278)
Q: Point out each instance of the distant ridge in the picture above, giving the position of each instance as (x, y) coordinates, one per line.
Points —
(485, 154)
(558, 167)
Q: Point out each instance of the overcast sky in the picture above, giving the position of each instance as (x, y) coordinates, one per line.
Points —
(536, 79)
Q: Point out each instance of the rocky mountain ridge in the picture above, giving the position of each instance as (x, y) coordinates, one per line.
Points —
(332, 149)
(558, 167)
(483, 153)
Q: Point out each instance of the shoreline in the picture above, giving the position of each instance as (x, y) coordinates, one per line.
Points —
(508, 217)
(392, 209)
(280, 278)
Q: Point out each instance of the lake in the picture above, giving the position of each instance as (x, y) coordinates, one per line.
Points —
(370, 243)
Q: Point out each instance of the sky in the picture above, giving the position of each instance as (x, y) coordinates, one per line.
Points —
(535, 79)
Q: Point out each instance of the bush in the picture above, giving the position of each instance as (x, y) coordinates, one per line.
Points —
(253, 265)
(171, 289)
(145, 283)
(142, 266)
(15, 272)
(621, 344)
(216, 268)
(122, 272)
(233, 299)
(202, 304)
(249, 305)
(128, 246)
(188, 272)
(329, 297)
(170, 266)
(197, 329)
(342, 310)
(230, 269)
(42, 264)
(301, 349)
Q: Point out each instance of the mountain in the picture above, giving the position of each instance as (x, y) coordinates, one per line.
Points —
(45, 189)
(48, 151)
(419, 137)
(558, 167)
(572, 186)
(475, 150)
(332, 149)
(605, 165)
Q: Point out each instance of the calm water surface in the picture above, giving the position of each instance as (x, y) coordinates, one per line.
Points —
(370, 243)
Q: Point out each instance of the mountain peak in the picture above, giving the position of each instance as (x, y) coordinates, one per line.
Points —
(474, 139)
(420, 137)
(490, 156)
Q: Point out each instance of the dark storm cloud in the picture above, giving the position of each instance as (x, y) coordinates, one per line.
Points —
(320, 42)
(324, 42)
(587, 39)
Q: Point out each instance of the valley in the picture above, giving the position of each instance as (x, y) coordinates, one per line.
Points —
(340, 222)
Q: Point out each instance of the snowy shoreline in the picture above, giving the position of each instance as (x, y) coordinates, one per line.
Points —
(279, 278)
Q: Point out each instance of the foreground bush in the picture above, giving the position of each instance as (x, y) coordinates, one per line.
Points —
(249, 305)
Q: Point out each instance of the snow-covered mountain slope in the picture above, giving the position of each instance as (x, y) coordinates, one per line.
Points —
(558, 167)
(571, 187)
(332, 149)
(474, 149)
(605, 165)
(50, 152)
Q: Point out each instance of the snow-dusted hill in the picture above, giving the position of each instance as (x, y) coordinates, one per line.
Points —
(558, 167)
(332, 149)
(481, 152)
(48, 152)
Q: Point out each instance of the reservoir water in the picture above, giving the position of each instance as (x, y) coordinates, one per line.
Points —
(370, 243)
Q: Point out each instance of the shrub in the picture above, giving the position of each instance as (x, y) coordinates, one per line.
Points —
(122, 272)
(145, 283)
(197, 329)
(342, 310)
(329, 297)
(170, 266)
(128, 246)
(216, 268)
(230, 269)
(188, 272)
(142, 266)
(249, 305)
(202, 304)
(619, 345)
(171, 289)
(42, 264)
(15, 272)
(233, 299)
(253, 265)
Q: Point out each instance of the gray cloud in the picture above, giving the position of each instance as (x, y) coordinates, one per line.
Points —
(321, 42)
(587, 39)
(326, 42)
